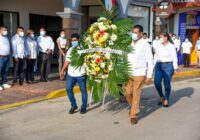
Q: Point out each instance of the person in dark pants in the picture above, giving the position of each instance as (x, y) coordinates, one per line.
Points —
(32, 51)
(186, 51)
(166, 65)
(19, 54)
(75, 75)
(4, 58)
(46, 48)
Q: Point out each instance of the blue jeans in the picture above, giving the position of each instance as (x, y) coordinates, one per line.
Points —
(71, 81)
(164, 71)
(4, 67)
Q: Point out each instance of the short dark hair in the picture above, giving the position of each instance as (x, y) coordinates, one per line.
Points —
(139, 27)
(145, 34)
(3, 26)
(20, 27)
(43, 28)
(75, 35)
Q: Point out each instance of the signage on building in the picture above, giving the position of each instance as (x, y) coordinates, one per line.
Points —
(185, 3)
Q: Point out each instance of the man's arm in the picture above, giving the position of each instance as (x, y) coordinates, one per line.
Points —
(150, 65)
(62, 72)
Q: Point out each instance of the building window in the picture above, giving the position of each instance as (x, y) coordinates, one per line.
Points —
(141, 16)
(10, 20)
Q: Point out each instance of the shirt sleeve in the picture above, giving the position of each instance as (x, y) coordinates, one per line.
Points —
(150, 63)
(27, 49)
(68, 55)
(14, 47)
(52, 45)
(174, 57)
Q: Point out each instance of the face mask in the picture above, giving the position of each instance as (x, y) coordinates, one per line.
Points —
(42, 33)
(5, 33)
(32, 36)
(134, 37)
(161, 40)
(62, 35)
(157, 38)
(74, 43)
(186, 40)
(173, 38)
(21, 34)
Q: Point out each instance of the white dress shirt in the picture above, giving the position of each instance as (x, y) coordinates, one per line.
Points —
(74, 72)
(166, 54)
(32, 48)
(141, 59)
(186, 46)
(45, 43)
(156, 42)
(198, 45)
(4, 46)
(177, 44)
(18, 46)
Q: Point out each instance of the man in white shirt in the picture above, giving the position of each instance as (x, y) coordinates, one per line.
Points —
(177, 42)
(46, 48)
(198, 49)
(141, 62)
(186, 51)
(145, 37)
(4, 57)
(156, 43)
(19, 54)
(75, 75)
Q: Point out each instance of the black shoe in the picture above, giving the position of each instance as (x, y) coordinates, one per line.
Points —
(161, 101)
(72, 110)
(83, 111)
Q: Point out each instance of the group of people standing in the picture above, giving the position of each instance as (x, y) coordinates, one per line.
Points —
(27, 49)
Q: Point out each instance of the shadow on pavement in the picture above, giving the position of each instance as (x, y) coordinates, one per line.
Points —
(149, 101)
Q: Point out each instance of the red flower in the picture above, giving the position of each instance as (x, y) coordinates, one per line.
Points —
(98, 60)
(101, 33)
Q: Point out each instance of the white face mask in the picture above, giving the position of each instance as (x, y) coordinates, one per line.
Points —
(21, 34)
(5, 33)
(42, 33)
(161, 40)
(186, 40)
(157, 38)
(173, 38)
(62, 35)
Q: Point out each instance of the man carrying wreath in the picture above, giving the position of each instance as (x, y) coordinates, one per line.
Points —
(141, 63)
(75, 75)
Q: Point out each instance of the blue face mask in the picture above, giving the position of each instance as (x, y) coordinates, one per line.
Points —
(134, 37)
(74, 43)
(42, 33)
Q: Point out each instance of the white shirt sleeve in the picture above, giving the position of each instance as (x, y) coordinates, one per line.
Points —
(14, 47)
(52, 45)
(150, 64)
(174, 57)
(68, 55)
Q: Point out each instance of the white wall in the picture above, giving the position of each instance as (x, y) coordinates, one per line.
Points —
(25, 7)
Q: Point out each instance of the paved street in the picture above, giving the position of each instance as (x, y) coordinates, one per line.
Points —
(49, 120)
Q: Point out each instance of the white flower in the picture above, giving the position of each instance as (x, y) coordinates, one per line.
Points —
(107, 56)
(101, 19)
(102, 65)
(102, 28)
(110, 67)
(114, 37)
(105, 36)
(114, 27)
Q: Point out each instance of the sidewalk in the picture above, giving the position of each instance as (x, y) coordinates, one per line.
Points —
(40, 90)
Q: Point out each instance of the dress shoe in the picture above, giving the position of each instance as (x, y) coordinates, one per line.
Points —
(72, 110)
(83, 111)
(166, 103)
(133, 121)
(161, 101)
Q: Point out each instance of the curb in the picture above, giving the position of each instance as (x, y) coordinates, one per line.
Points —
(62, 92)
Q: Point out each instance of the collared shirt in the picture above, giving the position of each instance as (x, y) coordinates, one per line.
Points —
(156, 42)
(4, 46)
(186, 46)
(74, 72)
(166, 54)
(177, 44)
(45, 43)
(32, 48)
(63, 43)
(141, 59)
(198, 45)
(18, 46)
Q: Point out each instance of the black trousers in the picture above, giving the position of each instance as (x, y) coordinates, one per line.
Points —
(45, 65)
(19, 70)
(186, 59)
(30, 63)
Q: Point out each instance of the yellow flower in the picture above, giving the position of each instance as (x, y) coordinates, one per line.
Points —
(101, 40)
(97, 69)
